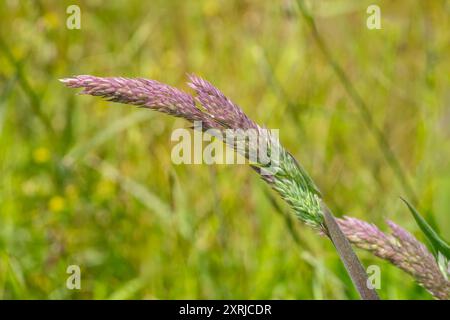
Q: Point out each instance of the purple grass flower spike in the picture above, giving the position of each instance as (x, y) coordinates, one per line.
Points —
(144, 93)
(287, 177)
(220, 113)
(401, 249)
(219, 106)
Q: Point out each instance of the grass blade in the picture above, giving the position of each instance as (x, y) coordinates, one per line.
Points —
(438, 244)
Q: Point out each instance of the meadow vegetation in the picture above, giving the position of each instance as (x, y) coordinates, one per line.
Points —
(91, 183)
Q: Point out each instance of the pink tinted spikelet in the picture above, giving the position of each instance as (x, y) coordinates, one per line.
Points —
(144, 93)
(219, 106)
(401, 249)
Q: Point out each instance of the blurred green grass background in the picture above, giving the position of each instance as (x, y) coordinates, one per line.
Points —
(91, 183)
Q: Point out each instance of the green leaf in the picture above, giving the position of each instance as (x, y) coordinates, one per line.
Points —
(439, 245)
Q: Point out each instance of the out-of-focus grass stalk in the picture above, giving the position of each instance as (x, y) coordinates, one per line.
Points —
(361, 105)
(35, 101)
